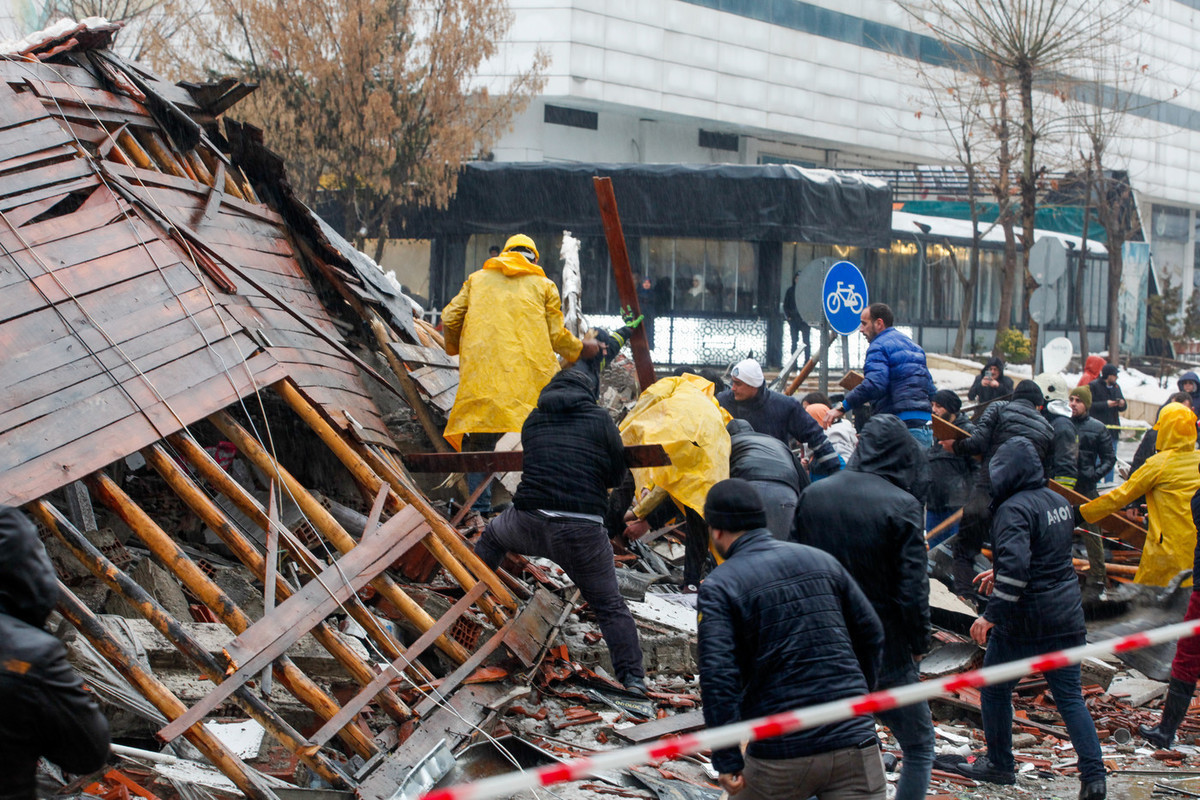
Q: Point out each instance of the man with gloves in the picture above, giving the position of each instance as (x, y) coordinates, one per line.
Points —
(784, 626)
(777, 415)
(868, 518)
(572, 456)
(505, 325)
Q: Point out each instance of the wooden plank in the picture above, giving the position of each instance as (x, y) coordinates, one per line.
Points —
(658, 728)
(19, 216)
(24, 198)
(452, 681)
(153, 179)
(416, 354)
(86, 96)
(850, 380)
(17, 108)
(1115, 524)
(623, 277)
(271, 636)
(354, 705)
(43, 176)
(36, 476)
(636, 456)
(435, 380)
(943, 430)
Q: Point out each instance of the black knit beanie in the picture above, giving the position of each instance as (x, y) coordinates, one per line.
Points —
(948, 400)
(734, 505)
(1108, 369)
(1028, 390)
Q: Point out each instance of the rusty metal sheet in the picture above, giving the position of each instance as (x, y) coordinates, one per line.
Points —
(638, 455)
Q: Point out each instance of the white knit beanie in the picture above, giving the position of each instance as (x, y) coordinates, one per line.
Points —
(749, 372)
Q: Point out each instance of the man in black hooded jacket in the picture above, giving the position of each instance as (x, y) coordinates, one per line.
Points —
(572, 456)
(991, 383)
(880, 539)
(46, 711)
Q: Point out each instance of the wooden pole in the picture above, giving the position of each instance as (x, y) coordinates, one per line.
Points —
(623, 276)
(126, 663)
(328, 527)
(944, 524)
(171, 556)
(129, 590)
(446, 545)
(808, 366)
(208, 469)
(245, 551)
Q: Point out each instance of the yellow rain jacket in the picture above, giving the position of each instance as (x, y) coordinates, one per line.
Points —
(505, 325)
(682, 415)
(1169, 478)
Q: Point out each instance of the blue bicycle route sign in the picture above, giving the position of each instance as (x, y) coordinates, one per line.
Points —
(844, 294)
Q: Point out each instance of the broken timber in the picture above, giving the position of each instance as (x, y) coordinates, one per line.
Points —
(636, 456)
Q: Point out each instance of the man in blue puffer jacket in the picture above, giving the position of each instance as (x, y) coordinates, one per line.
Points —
(895, 377)
(784, 626)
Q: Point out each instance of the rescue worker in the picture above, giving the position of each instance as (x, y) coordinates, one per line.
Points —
(1185, 666)
(681, 414)
(505, 325)
(777, 415)
(895, 377)
(46, 711)
(991, 383)
(1169, 479)
(1096, 459)
(766, 464)
(1145, 447)
(572, 456)
(1034, 608)
(879, 537)
(784, 626)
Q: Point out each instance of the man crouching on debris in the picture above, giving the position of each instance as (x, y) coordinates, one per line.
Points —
(573, 455)
(44, 710)
(1034, 608)
(784, 626)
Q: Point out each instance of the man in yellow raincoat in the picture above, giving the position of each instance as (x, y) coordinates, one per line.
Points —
(1169, 478)
(505, 325)
(680, 413)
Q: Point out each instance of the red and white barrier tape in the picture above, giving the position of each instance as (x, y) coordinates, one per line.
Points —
(792, 721)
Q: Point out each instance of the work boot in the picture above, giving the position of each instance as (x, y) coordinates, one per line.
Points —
(981, 769)
(1179, 697)
(635, 685)
(1093, 790)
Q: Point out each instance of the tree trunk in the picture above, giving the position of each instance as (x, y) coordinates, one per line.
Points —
(1008, 273)
(968, 303)
(1028, 185)
(1116, 265)
(1081, 267)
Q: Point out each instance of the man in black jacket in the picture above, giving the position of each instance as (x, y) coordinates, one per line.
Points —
(784, 626)
(1108, 401)
(777, 415)
(1096, 459)
(991, 383)
(1001, 421)
(950, 477)
(572, 456)
(879, 537)
(766, 464)
(1034, 609)
(46, 711)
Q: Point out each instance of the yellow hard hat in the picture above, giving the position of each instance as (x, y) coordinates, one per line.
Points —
(521, 240)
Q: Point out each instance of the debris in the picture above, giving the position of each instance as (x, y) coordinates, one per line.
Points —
(1137, 691)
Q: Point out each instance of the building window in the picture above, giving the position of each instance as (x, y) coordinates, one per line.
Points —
(701, 276)
(719, 141)
(571, 117)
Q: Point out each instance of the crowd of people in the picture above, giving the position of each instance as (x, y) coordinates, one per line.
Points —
(805, 536)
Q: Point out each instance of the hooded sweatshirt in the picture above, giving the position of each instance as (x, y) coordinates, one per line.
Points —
(1036, 593)
(879, 536)
(572, 451)
(46, 711)
(1169, 478)
(1091, 369)
(1195, 379)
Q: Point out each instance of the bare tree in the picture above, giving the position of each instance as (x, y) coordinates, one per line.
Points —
(150, 25)
(1037, 42)
(374, 104)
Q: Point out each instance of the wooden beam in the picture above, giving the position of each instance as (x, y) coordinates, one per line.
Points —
(636, 456)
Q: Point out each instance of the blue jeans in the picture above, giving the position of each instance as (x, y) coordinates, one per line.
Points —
(996, 702)
(923, 435)
(913, 728)
(935, 518)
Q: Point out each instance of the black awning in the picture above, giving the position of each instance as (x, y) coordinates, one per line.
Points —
(774, 202)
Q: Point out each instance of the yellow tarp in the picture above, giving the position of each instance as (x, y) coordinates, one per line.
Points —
(505, 325)
(1169, 478)
(681, 414)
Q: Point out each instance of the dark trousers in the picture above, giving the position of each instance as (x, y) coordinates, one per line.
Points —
(1186, 664)
(973, 531)
(996, 702)
(798, 328)
(695, 555)
(585, 553)
(913, 728)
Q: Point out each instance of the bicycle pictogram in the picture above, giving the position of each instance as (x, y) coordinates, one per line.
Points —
(844, 294)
